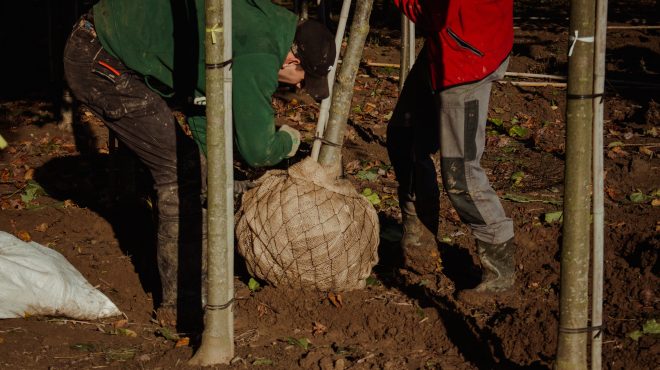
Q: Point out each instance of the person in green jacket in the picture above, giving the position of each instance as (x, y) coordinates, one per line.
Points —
(127, 59)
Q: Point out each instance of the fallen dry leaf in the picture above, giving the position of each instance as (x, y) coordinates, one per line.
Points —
(69, 204)
(336, 299)
(24, 235)
(655, 202)
(120, 323)
(646, 151)
(611, 192)
(126, 332)
(41, 227)
(318, 328)
(29, 174)
(5, 175)
(183, 342)
(616, 152)
(352, 166)
(263, 309)
(69, 147)
(16, 204)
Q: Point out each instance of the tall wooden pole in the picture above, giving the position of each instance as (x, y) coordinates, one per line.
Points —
(330, 155)
(598, 208)
(574, 299)
(218, 337)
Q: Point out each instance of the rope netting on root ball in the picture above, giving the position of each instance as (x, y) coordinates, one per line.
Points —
(305, 228)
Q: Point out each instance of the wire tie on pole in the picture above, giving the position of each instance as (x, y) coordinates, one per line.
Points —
(327, 142)
(585, 96)
(213, 307)
(588, 329)
(574, 39)
(219, 65)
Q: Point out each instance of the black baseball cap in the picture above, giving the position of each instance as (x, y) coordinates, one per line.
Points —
(314, 45)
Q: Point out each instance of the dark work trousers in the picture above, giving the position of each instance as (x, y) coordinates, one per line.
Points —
(144, 123)
(453, 121)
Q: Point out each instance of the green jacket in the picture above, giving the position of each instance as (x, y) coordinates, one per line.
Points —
(155, 37)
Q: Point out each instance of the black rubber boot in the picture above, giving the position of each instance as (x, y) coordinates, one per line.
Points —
(418, 244)
(167, 253)
(498, 271)
(181, 256)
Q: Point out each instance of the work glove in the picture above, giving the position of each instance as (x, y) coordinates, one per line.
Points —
(295, 138)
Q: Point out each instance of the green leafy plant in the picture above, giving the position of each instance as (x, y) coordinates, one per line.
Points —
(168, 334)
(32, 191)
(650, 327)
(262, 362)
(369, 175)
(518, 131)
(496, 121)
(517, 177)
(371, 196)
(639, 197)
(253, 285)
(552, 217)
(372, 281)
(303, 343)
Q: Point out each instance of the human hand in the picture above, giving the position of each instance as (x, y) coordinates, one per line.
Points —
(295, 138)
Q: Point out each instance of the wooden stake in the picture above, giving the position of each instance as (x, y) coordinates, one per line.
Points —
(598, 186)
(324, 110)
(532, 84)
(633, 27)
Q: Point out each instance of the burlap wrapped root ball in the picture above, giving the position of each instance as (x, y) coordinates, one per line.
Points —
(304, 228)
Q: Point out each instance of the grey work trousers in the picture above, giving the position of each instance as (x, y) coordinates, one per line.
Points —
(453, 121)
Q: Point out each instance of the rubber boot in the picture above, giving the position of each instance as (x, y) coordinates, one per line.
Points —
(418, 244)
(181, 242)
(498, 271)
(167, 252)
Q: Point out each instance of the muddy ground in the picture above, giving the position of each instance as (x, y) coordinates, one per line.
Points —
(66, 190)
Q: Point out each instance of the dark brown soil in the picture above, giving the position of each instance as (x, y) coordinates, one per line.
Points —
(97, 214)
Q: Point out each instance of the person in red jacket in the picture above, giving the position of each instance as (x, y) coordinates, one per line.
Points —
(444, 105)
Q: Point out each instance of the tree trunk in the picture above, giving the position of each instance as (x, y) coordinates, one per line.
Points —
(574, 297)
(330, 155)
(218, 337)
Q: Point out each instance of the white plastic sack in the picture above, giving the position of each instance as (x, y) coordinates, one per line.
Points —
(35, 281)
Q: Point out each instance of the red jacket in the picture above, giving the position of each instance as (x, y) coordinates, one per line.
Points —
(466, 40)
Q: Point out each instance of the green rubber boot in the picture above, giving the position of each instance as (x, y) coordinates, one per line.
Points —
(498, 271)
